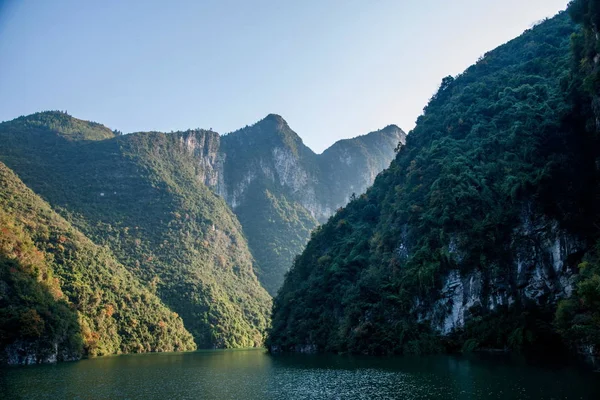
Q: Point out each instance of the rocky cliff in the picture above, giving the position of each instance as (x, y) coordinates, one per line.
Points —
(350, 166)
(280, 189)
(542, 270)
(271, 153)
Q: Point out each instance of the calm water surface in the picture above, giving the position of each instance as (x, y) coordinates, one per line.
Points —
(253, 374)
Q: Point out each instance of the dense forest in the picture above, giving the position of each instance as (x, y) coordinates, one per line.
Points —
(61, 296)
(485, 220)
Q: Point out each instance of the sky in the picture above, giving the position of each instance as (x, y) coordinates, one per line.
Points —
(332, 69)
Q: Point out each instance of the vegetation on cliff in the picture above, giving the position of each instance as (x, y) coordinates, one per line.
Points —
(62, 296)
(578, 318)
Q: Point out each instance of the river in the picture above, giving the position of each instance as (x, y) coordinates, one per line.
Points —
(254, 374)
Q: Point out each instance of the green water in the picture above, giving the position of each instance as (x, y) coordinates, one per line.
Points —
(254, 374)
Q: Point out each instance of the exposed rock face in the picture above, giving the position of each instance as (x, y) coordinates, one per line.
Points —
(204, 146)
(541, 272)
(351, 165)
(271, 152)
(27, 353)
(267, 167)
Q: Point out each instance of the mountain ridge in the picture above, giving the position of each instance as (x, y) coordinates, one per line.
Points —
(108, 133)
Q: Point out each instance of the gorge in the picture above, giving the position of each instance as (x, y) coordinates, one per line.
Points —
(475, 232)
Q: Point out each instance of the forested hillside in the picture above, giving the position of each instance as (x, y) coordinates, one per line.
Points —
(476, 230)
(158, 201)
(61, 296)
(143, 195)
(578, 317)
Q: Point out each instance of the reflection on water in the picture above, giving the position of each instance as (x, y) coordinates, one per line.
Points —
(253, 374)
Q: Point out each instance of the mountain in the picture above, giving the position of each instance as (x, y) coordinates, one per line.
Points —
(271, 153)
(144, 196)
(472, 238)
(280, 189)
(351, 165)
(62, 296)
(157, 201)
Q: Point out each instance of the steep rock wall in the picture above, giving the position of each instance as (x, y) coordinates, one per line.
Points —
(542, 272)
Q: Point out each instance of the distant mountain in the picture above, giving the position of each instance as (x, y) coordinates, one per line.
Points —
(481, 234)
(272, 152)
(62, 296)
(280, 189)
(62, 124)
(350, 166)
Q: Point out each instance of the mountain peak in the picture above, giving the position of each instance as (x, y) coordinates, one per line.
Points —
(392, 127)
(393, 130)
(62, 124)
(276, 118)
(373, 141)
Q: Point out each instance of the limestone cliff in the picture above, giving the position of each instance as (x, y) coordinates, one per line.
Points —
(280, 189)
(541, 271)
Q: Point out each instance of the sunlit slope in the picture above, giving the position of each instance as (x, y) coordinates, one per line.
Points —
(62, 296)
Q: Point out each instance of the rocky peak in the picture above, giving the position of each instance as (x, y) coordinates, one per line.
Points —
(393, 130)
(270, 132)
(276, 118)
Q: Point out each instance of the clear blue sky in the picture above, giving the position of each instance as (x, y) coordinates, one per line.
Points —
(331, 68)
